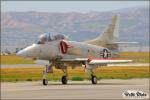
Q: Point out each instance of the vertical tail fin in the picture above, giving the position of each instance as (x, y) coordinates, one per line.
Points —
(110, 35)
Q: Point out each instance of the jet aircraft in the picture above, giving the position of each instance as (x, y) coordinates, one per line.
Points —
(62, 52)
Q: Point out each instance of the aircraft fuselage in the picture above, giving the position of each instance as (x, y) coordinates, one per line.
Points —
(63, 49)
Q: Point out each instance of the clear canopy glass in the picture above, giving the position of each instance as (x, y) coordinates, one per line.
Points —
(50, 37)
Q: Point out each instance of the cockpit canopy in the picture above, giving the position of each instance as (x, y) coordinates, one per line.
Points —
(50, 37)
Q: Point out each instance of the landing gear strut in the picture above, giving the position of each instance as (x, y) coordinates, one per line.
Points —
(45, 81)
(47, 69)
(93, 77)
(90, 68)
(64, 78)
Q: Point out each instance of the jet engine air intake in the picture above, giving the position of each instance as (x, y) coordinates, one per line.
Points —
(63, 47)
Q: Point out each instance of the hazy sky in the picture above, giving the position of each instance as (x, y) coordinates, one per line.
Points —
(69, 6)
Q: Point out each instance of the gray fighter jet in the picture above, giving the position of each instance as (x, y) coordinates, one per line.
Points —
(62, 52)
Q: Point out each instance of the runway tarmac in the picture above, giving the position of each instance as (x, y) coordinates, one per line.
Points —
(105, 89)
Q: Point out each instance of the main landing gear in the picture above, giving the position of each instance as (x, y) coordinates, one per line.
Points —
(48, 69)
(64, 78)
(90, 68)
(45, 81)
(93, 77)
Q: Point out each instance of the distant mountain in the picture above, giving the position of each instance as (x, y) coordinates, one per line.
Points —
(22, 28)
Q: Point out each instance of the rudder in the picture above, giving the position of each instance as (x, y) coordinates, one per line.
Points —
(110, 35)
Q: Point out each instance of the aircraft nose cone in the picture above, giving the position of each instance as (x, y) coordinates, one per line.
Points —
(22, 53)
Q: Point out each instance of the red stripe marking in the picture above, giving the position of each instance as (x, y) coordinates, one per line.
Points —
(105, 59)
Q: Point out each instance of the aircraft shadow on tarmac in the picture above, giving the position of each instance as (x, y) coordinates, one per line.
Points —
(88, 84)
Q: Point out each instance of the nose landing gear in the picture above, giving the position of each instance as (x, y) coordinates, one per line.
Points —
(47, 69)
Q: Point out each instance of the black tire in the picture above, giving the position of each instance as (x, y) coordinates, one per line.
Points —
(45, 81)
(94, 79)
(64, 79)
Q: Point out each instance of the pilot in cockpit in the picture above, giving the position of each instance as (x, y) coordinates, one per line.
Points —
(50, 37)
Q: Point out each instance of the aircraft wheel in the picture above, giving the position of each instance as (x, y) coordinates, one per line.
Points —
(45, 81)
(94, 79)
(64, 79)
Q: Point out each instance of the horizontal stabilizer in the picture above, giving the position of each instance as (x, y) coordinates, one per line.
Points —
(125, 43)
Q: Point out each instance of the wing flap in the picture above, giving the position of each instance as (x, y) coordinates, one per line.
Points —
(108, 61)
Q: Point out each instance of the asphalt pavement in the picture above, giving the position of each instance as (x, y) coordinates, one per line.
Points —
(105, 89)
